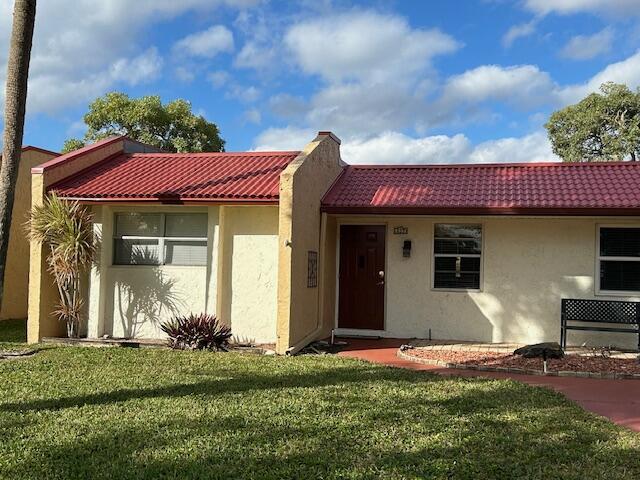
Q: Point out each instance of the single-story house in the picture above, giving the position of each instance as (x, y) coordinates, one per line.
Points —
(287, 247)
(16, 285)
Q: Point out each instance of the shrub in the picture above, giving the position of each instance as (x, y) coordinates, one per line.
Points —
(197, 332)
(66, 229)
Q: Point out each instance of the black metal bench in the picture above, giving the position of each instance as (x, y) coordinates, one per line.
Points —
(598, 312)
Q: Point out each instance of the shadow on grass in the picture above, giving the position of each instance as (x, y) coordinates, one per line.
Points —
(214, 388)
(497, 430)
(303, 419)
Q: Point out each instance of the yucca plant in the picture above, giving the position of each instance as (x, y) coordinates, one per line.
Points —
(66, 229)
(197, 332)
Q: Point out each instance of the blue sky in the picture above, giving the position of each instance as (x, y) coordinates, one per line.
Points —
(398, 81)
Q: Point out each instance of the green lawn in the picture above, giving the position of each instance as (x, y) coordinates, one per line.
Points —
(83, 413)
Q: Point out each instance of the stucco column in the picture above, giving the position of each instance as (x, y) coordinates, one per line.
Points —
(43, 295)
(213, 239)
(223, 276)
(302, 185)
(103, 230)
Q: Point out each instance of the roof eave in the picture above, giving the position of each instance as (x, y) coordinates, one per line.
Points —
(472, 211)
(173, 201)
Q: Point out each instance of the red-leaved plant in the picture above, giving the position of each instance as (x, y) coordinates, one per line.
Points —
(197, 332)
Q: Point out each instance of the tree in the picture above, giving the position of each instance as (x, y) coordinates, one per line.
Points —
(603, 126)
(172, 127)
(66, 228)
(24, 15)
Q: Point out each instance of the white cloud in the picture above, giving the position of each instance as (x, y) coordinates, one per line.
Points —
(534, 147)
(184, 74)
(222, 78)
(142, 69)
(519, 31)
(252, 116)
(219, 78)
(288, 106)
(53, 92)
(518, 85)
(393, 147)
(626, 71)
(244, 94)
(208, 43)
(377, 74)
(76, 45)
(77, 128)
(365, 45)
(585, 47)
(362, 111)
(256, 55)
(397, 148)
(566, 7)
(287, 138)
(355, 108)
(526, 86)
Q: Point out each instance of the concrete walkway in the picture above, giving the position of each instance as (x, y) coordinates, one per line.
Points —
(617, 400)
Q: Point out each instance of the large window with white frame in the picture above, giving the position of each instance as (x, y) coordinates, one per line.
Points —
(457, 256)
(142, 238)
(619, 259)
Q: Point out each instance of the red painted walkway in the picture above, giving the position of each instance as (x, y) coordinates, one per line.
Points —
(617, 400)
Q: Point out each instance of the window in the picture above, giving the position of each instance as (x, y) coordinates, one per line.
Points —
(457, 252)
(160, 239)
(619, 259)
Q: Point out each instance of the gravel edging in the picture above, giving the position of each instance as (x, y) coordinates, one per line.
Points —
(520, 371)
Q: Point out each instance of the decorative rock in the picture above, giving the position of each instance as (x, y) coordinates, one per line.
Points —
(406, 347)
(551, 349)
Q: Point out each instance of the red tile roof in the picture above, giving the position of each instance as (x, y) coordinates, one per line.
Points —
(230, 177)
(527, 188)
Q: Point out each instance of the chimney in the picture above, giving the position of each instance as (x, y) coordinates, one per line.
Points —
(330, 135)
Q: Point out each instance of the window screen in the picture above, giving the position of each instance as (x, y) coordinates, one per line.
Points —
(619, 259)
(185, 253)
(136, 252)
(160, 239)
(192, 225)
(457, 250)
(139, 224)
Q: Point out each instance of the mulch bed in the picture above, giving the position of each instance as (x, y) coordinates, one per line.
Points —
(570, 363)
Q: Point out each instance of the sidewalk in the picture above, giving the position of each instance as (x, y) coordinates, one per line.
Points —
(617, 400)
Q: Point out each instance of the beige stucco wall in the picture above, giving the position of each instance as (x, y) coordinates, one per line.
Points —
(15, 297)
(139, 298)
(79, 161)
(131, 301)
(238, 284)
(302, 186)
(528, 265)
(43, 294)
(328, 274)
(247, 285)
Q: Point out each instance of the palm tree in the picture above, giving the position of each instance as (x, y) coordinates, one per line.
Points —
(66, 228)
(24, 15)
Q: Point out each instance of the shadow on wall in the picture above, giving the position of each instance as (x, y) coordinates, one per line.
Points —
(534, 316)
(145, 302)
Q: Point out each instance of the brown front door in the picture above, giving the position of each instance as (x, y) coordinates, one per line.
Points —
(361, 301)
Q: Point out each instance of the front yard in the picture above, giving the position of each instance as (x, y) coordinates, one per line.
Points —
(73, 413)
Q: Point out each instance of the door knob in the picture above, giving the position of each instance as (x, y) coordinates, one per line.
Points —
(381, 273)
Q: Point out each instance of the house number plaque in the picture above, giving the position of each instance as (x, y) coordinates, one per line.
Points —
(400, 230)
